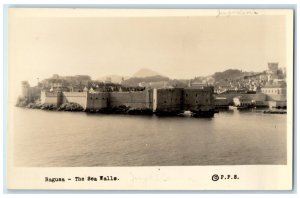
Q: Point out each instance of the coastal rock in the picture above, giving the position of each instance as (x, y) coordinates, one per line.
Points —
(70, 107)
(48, 107)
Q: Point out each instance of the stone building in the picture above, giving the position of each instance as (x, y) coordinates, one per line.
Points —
(276, 95)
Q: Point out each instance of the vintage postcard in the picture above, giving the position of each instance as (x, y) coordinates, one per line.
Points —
(150, 99)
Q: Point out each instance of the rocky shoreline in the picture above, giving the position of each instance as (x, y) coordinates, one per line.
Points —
(74, 107)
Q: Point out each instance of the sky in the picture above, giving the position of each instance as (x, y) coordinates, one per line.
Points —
(83, 42)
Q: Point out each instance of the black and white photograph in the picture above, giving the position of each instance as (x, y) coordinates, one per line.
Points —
(159, 89)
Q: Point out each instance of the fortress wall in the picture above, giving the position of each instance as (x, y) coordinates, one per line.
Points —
(76, 97)
(50, 98)
(169, 99)
(139, 99)
(34, 92)
(175, 99)
(97, 100)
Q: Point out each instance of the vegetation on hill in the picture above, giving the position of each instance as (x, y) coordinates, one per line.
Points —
(228, 74)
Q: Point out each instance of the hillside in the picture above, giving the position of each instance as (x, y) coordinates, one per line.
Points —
(227, 75)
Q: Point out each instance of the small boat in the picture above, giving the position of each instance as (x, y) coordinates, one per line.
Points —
(274, 112)
(185, 114)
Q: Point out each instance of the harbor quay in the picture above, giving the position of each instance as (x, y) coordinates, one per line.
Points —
(269, 100)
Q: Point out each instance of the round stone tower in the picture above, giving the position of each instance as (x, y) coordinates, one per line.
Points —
(25, 89)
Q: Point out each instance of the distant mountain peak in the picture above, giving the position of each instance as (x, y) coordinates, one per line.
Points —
(145, 72)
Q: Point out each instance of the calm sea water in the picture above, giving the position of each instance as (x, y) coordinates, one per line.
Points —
(45, 138)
